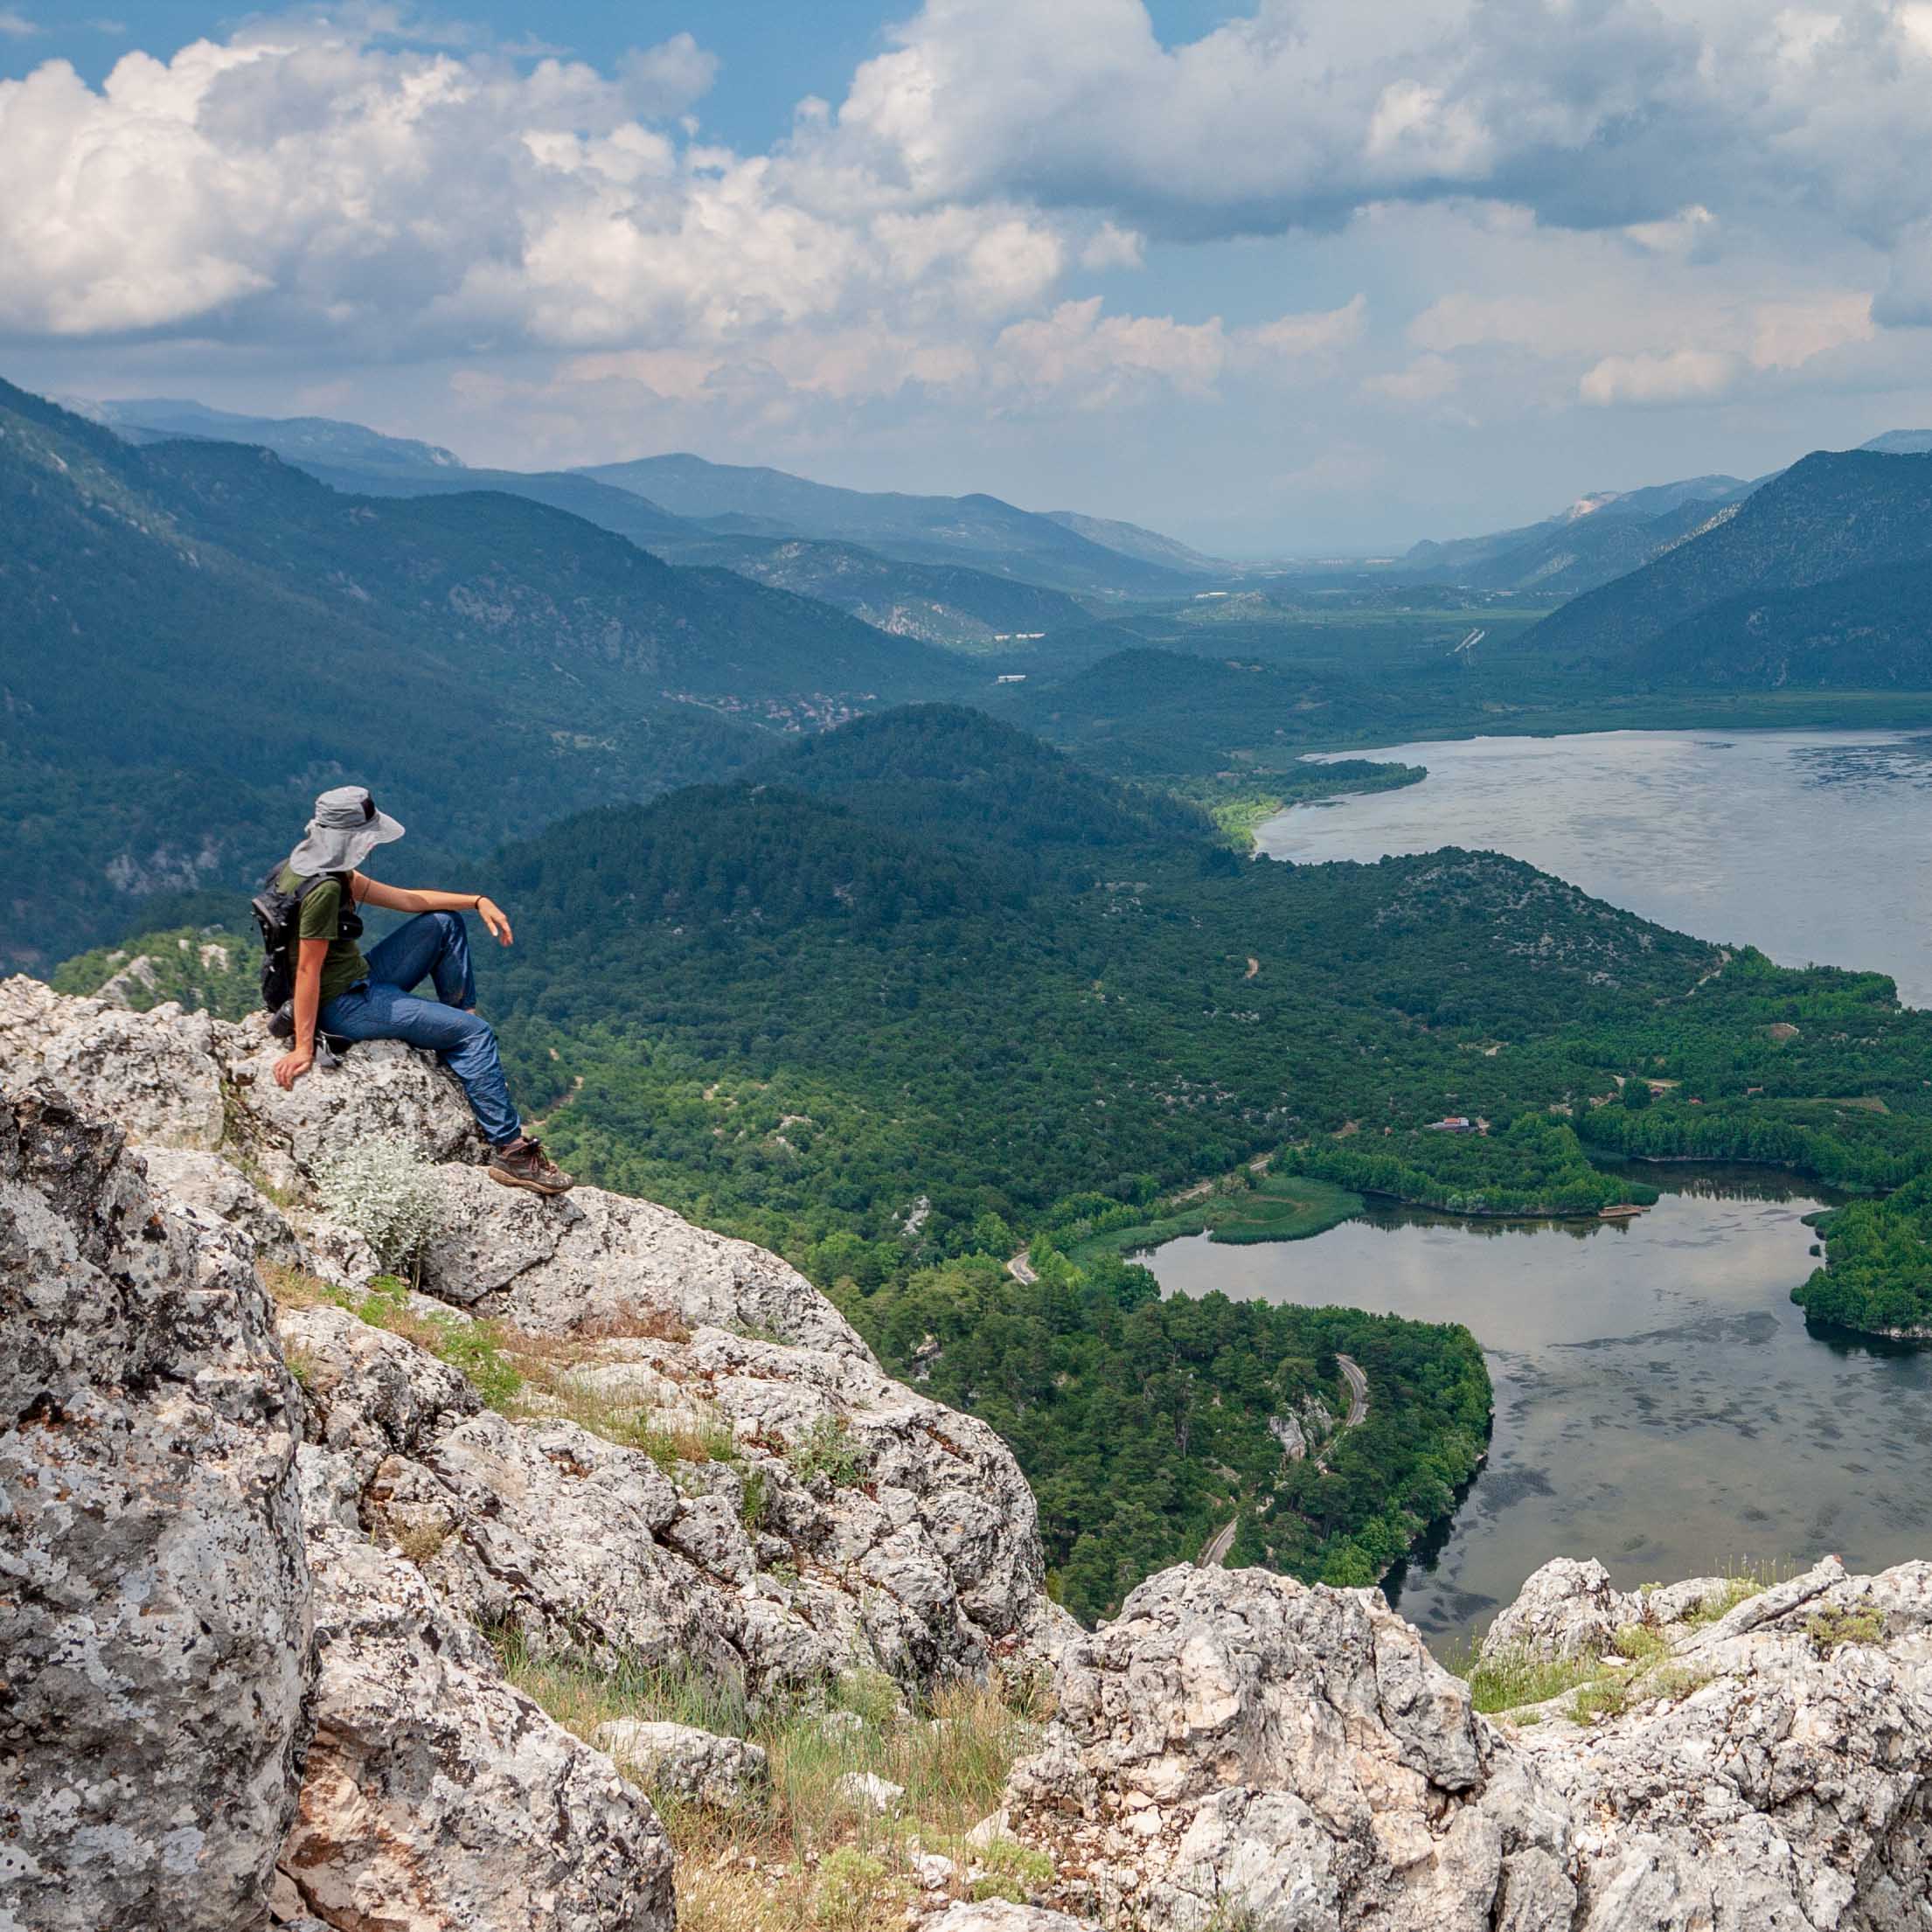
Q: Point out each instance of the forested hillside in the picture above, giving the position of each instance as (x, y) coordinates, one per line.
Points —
(199, 637)
(920, 994)
(1718, 608)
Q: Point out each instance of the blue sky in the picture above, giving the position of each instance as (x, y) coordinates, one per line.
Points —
(1294, 277)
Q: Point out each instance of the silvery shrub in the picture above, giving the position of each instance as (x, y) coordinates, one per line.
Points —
(387, 1193)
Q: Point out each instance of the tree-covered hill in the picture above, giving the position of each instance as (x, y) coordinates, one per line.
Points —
(199, 637)
(958, 779)
(1718, 607)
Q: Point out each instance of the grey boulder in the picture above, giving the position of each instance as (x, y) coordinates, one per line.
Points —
(154, 1601)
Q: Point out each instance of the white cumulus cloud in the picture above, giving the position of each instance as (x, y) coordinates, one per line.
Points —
(1685, 375)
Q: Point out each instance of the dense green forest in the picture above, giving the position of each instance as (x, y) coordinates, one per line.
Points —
(1144, 1424)
(1535, 1166)
(926, 995)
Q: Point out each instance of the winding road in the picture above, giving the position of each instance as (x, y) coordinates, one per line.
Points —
(1214, 1551)
(1357, 1389)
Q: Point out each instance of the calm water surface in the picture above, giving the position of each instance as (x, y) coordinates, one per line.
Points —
(1660, 1404)
(1811, 845)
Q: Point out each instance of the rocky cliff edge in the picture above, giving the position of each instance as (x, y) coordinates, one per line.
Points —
(263, 1555)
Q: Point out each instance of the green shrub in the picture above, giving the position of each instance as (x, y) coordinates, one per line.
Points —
(1013, 1870)
(387, 1193)
(852, 1889)
(753, 1501)
(1831, 1630)
(825, 1450)
(473, 1348)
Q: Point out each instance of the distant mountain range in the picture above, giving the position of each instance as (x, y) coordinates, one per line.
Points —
(1822, 577)
(295, 439)
(201, 635)
(940, 568)
(979, 531)
(1603, 535)
(1596, 538)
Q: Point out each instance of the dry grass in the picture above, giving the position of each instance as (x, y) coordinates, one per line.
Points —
(291, 1287)
(1640, 1643)
(421, 1541)
(1739, 1587)
(1506, 1682)
(806, 1856)
(1636, 1671)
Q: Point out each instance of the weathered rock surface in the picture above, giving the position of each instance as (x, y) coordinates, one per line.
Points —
(559, 1266)
(171, 1079)
(437, 1797)
(999, 1916)
(913, 1548)
(754, 1498)
(708, 1770)
(1236, 1748)
(154, 1601)
(915, 1554)
(1569, 1609)
(156, 1076)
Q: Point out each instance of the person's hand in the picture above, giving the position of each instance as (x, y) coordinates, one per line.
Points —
(292, 1065)
(492, 917)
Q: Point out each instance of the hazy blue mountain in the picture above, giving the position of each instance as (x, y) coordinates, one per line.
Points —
(1598, 537)
(621, 511)
(944, 604)
(948, 604)
(1816, 579)
(295, 439)
(1901, 442)
(1149, 545)
(979, 531)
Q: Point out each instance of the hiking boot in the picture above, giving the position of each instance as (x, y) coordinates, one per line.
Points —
(524, 1163)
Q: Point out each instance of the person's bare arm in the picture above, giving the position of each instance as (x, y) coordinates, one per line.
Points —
(400, 899)
(309, 954)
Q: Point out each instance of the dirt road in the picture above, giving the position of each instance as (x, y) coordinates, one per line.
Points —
(1214, 1551)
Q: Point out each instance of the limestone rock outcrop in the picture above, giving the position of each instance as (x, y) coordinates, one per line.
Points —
(154, 1598)
(1569, 1609)
(697, 1765)
(712, 1474)
(435, 1794)
(1236, 1748)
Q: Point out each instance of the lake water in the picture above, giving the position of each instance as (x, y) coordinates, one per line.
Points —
(1811, 845)
(1660, 1404)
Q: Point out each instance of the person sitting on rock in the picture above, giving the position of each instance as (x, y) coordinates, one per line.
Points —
(350, 996)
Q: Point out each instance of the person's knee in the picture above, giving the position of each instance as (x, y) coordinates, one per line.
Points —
(449, 927)
(478, 1035)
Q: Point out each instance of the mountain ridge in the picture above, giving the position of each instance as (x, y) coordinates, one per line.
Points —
(1832, 518)
(484, 661)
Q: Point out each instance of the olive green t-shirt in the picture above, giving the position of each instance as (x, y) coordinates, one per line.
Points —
(344, 964)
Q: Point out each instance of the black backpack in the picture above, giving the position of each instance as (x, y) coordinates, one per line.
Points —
(278, 917)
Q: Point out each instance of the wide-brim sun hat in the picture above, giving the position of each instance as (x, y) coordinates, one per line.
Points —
(345, 830)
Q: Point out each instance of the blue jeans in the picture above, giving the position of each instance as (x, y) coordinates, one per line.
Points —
(433, 946)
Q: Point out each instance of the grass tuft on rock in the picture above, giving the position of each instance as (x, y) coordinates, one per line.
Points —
(811, 1851)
